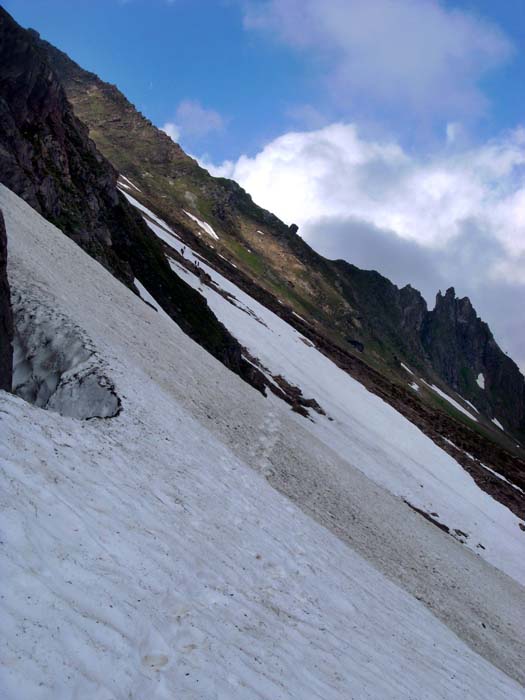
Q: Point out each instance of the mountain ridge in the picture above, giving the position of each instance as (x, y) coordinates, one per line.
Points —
(360, 310)
(356, 311)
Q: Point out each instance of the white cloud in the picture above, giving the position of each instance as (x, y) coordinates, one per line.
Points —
(457, 218)
(454, 132)
(193, 121)
(417, 54)
(333, 172)
(172, 130)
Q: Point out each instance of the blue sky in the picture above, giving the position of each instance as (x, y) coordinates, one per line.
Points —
(391, 131)
(162, 53)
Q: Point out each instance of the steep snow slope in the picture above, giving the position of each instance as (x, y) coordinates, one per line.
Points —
(416, 555)
(146, 559)
(367, 431)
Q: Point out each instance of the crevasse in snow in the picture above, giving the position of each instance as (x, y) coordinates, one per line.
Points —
(55, 365)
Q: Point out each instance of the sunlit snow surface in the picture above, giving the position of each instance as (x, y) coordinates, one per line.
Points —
(145, 560)
(369, 433)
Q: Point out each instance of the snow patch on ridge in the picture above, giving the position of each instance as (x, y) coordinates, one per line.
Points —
(129, 183)
(451, 401)
(471, 405)
(170, 238)
(134, 202)
(500, 476)
(204, 226)
(480, 381)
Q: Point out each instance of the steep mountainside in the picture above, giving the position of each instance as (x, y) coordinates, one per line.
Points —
(360, 311)
(297, 359)
(47, 157)
(323, 522)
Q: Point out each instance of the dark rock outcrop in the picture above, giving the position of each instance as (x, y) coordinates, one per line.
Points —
(390, 317)
(454, 337)
(462, 348)
(450, 341)
(47, 158)
(6, 316)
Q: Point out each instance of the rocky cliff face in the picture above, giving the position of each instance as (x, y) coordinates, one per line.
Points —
(464, 353)
(455, 337)
(6, 317)
(47, 157)
(390, 317)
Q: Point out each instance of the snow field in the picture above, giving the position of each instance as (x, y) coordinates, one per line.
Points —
(148, 560)
(368, 432)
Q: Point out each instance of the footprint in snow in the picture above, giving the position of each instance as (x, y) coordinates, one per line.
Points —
(155, 661)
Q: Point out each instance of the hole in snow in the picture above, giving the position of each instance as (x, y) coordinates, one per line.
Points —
(55, 366)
